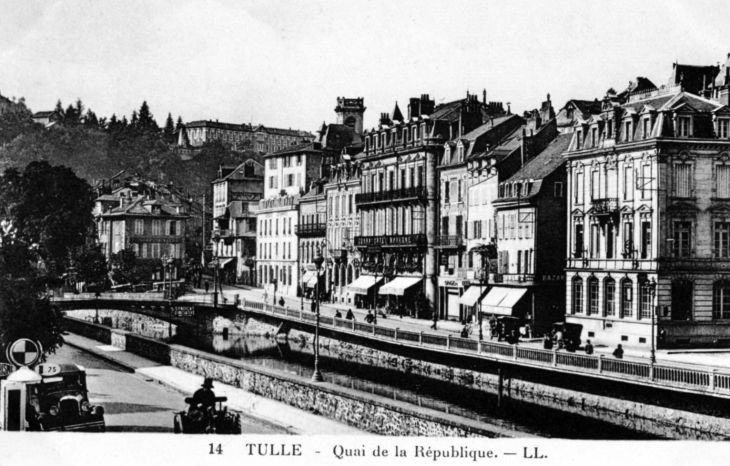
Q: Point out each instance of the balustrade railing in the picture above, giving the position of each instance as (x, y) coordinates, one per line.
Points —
(701, 380)
(311, 229)
(403, 194)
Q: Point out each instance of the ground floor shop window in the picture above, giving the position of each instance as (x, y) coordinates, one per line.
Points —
(721, 300)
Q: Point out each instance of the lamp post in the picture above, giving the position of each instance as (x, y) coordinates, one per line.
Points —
(216, 238)
(652, 289)
(483, 279)
(317, 375)
(303, 269)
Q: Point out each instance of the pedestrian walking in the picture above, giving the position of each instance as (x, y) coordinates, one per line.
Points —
(369, 318)
(207, 286)
(589, 347)
(350, 315)
(618, 353)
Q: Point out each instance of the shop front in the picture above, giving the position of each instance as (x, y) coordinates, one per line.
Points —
(365, 289)
(450, 293)
(401, 293)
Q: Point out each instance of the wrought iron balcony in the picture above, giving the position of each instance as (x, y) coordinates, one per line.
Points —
(406, 194)
(449, 241)
(311, 229)
(391, 241)
(607, 206)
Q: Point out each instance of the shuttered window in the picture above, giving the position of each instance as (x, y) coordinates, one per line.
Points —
(682, 180)
(722, 180)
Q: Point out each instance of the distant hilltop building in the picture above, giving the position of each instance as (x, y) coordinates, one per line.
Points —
(259, 138)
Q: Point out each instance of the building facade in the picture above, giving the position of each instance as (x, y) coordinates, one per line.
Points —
(236, 194)
(261, 139)
(649, 196)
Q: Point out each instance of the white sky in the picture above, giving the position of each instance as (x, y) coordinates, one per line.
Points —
(284, 63)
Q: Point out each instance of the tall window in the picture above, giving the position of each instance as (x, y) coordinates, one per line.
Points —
(578, 250)
(682, 180)
(722, 182)
(592, 296)
(646, 182)
(595, 241)
(628, 183)
(645, 239)
(460, 198)
(610, 240)
(627, 298)
(447, 192)
(627, 131)
(722, 235)
(628, 239)
(684, 125)
(682, 239)
(610, 297)
(646, 301)
(578, 189)
(577, 295)
(723, 128)
(647, 127)
(138, 227)
(579, 140)
(594, 137)
(595, 185)
(721, 300)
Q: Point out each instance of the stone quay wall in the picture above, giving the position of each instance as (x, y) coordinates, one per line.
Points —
(667, 422)
(365, 411)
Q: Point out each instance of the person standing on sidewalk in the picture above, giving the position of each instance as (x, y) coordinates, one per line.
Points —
(618, 353)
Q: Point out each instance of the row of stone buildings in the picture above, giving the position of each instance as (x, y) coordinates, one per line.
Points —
(600, 214)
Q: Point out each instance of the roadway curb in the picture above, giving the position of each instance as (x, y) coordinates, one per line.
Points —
(102, 355)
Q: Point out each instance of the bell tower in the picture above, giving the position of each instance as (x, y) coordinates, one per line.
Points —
(350, 112)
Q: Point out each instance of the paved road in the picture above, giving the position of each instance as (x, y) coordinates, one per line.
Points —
(133, 403)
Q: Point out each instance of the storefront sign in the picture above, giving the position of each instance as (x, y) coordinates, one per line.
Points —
(454, 282)
(183, 311)
(552, 278)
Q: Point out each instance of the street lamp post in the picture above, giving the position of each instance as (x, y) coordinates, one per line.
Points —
(317, 375)
(302, 290)
(216, 238)
(652, 290)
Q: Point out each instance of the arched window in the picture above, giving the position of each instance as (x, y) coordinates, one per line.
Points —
(577, 295)
(343, 276)
(646, 300)
(336, 271)
(627, 298)
(349, 275)
(592, 296)
(609, 292)
(721, 300)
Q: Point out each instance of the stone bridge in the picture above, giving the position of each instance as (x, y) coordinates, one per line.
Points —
(192, 313)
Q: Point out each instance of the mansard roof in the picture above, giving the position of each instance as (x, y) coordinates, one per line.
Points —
(545, 163)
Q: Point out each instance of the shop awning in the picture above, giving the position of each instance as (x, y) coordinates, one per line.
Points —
(363, 284)
(472, 295)
(500, 300)
(310, 279)
(222, 262)
(399, 286)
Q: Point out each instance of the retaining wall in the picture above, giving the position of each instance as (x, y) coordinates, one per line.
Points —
(368, 412)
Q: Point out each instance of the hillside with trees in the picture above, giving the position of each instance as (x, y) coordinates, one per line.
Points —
(97, 148)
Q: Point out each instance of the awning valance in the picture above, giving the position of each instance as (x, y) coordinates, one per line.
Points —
(363, 284)
(399, 286)
(472, 294)
(222, 262)
(500, 300)
(310, 279)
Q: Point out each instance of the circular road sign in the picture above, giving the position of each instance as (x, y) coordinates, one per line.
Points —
(24, 352)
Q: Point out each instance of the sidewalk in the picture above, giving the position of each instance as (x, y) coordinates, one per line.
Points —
(289, 419)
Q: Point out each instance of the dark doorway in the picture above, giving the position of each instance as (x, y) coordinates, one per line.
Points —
(682, 300)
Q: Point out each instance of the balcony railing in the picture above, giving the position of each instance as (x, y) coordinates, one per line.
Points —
(405, 194)
(311, 229)
(391, 240)
(605, 206)
(445, 241)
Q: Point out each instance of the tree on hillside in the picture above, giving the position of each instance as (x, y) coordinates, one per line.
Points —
(50, 207)
(14, 124)
(146, 120)
(169, 131)
(59, 109)
(134, 122)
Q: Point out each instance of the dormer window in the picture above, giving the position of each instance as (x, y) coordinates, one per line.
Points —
(518, 189)
(569, 112)
(579, 140)
(594, 136)
(646, 127)
(627, 131)
(609, 129)
(684, 126)
(723, 128)
(460, 153)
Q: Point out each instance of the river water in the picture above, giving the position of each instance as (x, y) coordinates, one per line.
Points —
(533, 419)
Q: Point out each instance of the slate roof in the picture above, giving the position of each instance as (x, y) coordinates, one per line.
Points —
(44, 114)
(545, 162)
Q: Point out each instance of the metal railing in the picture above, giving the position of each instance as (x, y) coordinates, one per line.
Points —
(700, 380)
(404, 194)
(605, 206)
(449, 240)
(311, 229)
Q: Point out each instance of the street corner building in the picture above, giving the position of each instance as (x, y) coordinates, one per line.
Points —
(649, 213)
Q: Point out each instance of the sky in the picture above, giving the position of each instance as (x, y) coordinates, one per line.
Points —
(284, 64)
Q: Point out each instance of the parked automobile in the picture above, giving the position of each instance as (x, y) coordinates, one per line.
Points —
(566, 335)
(63, 401)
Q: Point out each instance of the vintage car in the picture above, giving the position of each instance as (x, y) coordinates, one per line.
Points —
(219, 421)
(63, 403)
(508, 329)
(566, 335)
